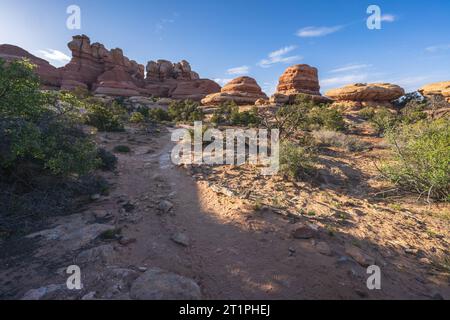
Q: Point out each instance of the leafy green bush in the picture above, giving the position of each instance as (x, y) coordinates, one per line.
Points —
(383, 120)
(108, 160)
(185, 111)
(228, 114)
(40, 127)
(367, 113)
(137, 117)
(421, 158)
(295, 161)
(324, 117)
(107, 118)
(159, 115)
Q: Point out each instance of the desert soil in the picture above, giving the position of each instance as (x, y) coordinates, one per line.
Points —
(240, 235)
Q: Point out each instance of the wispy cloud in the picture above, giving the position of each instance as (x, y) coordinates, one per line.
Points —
(442, 47)
(238, 70)
(351, 67)
(343, 80)
(309, 32)
(222, 81)
(388, 17)
(279, 56)
(54, 56)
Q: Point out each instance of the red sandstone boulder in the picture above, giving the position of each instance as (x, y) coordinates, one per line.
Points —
(242, 90)
(437, 89)
(49, 75)
(298, 79)
(195, 89)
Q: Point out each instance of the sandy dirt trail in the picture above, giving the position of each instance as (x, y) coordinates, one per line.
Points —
(232, 251)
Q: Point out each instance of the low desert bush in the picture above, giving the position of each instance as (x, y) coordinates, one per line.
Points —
(421, 160)
(383, 120)
(185, 111)
(158, 115)
(324, 117)
(108, 161)
(337, 139)
(105, 117)
(137, 117)
(295, 161)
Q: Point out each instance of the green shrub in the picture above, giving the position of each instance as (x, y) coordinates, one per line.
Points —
(108, 161)
(159, 115)
(137, 117)
(106, 118)
(421, 158)
(383, 120)
(246, 118)
(295, 161)
(224, 113)
(185, 111)
(324, 117)
(40, 127)
(122, 149)
(367, 113)
(413, 112)
(340, 140)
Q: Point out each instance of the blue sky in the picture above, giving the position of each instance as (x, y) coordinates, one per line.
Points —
(258, 38)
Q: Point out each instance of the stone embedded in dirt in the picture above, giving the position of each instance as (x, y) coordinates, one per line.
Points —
(101, 214)
(95, 197)
(361, 257)
(304, 233)
(222, 190)
(127, 241)
(43, 292)
(181, 239)
(411, 251)
(298, 79)
(73, 234)
(89, 296)
(129, 207)
(100, 254)
(165, 206)
(158, 284)
(324, 248)
(242, 91)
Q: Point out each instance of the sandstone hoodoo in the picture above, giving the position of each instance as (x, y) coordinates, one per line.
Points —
(298, 79)
(242, 90)
(111, 73)
(49, 75)
(366, 94)
(441, 89)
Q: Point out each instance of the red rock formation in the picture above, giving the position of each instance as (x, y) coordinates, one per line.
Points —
(242, 90)
(298, 79)
(437, 89)
(362, 94)
(109, 72)
(49, 75)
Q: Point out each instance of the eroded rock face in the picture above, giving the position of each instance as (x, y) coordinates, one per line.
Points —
(362, 94)
(437, 89)
(298, 79)
(49, 75)
(102, 71)
(242, 90)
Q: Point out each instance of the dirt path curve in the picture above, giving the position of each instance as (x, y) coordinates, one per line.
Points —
(232, 252)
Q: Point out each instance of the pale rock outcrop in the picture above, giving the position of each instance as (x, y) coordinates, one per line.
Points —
(437, 89)
(242, 90)
(298, 79)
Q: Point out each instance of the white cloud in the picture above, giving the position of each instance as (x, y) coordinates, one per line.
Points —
(388, 17)
(309, 32)
(54, 56)
(433, 49)
(279, 56)
(351, 67)
(238, 70)
(222, 81)
(343, 80)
